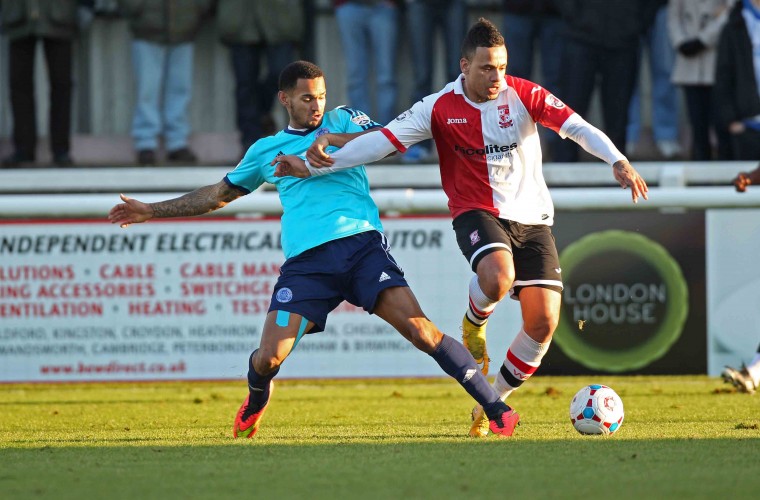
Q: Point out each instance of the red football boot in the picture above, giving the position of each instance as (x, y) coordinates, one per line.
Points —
(246, 423)
(505, 424)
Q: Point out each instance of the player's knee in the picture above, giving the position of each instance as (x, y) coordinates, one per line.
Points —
(265, 363)
(423, 335)
(541, 326)
(496, 284)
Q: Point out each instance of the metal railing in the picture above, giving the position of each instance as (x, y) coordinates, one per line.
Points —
(73, 193)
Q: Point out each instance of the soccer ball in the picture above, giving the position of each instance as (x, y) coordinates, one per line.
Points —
(596, 409)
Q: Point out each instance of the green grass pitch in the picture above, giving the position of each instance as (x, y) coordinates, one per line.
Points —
(683, 437)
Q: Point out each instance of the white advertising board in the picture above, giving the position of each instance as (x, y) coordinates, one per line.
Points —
(185, 299)
(733, 287)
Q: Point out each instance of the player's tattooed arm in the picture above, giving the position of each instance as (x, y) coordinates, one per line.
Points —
(627, 176)
(200, 201)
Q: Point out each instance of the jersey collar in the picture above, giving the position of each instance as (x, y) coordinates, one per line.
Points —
(459, 89)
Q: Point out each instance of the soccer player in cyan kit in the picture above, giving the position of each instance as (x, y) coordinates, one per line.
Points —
(484, 126)
(335, 250)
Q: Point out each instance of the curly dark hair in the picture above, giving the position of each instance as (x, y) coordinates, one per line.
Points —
(482, 34)
(294, 71)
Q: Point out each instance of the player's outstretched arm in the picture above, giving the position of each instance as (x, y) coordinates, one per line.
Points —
(200, 201)
(598, 144)
(316, 154)
(366, 148)
(627, 176)
(744, 179)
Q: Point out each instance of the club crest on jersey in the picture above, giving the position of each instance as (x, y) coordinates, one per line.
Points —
(361, 119)
(322, 131)
(284, 295)
(505, 120)
(474, 237)
(554, 102)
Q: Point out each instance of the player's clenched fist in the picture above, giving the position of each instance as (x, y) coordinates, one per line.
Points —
(744, 179)
(316, 153)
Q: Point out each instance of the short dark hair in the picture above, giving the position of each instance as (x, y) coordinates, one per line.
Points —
(482, 34)
(299, 69)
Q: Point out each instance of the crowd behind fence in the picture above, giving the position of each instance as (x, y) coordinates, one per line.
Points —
(108, 63)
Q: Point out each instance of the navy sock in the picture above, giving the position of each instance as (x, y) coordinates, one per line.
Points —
(258, 385)
(457, 362)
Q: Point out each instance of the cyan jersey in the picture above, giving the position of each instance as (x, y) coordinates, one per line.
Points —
(316, 209)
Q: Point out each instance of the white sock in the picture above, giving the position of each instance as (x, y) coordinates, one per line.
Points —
(480, 306)
(523, 359)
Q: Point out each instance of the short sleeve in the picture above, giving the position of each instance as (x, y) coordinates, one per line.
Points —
(249, 173)
(354, 120)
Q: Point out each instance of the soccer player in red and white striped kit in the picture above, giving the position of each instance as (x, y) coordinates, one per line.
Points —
(484, 126)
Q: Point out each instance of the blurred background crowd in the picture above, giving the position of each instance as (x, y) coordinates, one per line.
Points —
(149, 82)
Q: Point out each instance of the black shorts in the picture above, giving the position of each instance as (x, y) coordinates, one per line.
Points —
(533, 250)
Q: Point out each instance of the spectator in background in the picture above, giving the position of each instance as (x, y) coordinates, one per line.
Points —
(694, 29)
(601, 43)
(162, 56)
(54, 23)
(529, 24)
(369, 35)
(254, 31)
(737, 80)
(664, 102)
(423, 19)
(308, 43)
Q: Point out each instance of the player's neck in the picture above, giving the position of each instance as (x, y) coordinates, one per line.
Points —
(301, 128)
(469, 94)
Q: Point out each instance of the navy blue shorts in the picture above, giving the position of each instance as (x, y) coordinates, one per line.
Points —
(355, 268)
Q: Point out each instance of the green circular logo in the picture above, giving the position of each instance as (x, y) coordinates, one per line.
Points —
(625, 301)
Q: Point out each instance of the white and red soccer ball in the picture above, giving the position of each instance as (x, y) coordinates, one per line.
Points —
(596, 409)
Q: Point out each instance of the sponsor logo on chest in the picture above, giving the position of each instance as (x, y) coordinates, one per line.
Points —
(488, 149)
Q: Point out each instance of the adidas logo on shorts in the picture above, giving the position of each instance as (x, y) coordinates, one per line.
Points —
(383, 277)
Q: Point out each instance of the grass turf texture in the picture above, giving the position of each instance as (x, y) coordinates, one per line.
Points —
(683, 437)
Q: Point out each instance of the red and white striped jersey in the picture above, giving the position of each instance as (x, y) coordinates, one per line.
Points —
(489, 153)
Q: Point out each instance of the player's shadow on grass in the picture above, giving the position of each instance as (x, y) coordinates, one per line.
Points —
(492, 468)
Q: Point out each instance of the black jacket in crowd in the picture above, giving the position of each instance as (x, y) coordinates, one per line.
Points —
(612, 24)
(531, 7)
(736, 93)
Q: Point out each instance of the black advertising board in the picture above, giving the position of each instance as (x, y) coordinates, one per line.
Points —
(634, 298)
